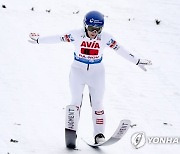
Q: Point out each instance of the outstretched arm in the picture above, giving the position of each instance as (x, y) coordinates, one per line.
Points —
(35, 38)
(127, 55)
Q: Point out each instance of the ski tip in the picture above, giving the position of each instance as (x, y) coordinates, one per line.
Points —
(126, 121)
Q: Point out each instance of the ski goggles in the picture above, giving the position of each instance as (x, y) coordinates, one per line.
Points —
(92, 29)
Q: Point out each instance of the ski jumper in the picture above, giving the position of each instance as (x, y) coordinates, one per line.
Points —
(88, 69)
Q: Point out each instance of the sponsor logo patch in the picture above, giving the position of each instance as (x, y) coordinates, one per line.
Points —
(99, 121)
(99, 112)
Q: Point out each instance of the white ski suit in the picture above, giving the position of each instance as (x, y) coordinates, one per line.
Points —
(88, 69)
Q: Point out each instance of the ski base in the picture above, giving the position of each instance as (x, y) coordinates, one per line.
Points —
(118, 134)
(70, 137)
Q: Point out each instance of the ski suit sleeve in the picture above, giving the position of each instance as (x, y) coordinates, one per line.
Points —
(112, 43)
(56, 39)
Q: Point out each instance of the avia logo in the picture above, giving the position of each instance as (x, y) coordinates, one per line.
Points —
(94, 21)
(93, 44)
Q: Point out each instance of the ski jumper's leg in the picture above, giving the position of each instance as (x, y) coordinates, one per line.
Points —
(96, 88)
(76, 83)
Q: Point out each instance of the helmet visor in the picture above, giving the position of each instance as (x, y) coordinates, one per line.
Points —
(92, 28)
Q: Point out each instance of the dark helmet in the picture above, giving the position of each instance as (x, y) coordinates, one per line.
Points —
(94, 18)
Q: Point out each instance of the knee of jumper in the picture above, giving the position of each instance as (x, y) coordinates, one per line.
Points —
(97, 105)
(96, 101)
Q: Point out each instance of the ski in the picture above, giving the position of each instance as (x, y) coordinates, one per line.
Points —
(118, 134)
(71, 122)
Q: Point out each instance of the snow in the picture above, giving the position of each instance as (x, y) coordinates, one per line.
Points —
(34, 88)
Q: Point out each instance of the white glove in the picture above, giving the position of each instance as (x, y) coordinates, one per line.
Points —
(142, 62)
(34, 37)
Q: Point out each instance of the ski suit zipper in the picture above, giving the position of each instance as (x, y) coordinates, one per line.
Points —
(88, 67)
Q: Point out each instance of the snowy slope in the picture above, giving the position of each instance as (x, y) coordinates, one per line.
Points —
(34, 78)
